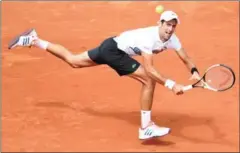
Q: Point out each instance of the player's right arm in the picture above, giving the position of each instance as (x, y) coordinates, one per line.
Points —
(150, 70)
(155, 75)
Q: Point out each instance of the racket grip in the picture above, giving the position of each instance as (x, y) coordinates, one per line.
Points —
(187, 87)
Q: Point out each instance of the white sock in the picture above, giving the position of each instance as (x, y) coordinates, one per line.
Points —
(42, 44)
(145, 118)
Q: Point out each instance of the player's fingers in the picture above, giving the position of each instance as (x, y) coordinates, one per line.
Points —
(180, 92)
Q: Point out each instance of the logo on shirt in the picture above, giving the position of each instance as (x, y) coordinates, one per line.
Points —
(134, 65)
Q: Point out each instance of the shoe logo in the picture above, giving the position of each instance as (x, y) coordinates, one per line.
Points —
(26, 41)
(148, 132)
(134, 65)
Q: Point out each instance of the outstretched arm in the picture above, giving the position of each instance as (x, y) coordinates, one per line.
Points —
(150, 70)
(188, 62)
(155, 75)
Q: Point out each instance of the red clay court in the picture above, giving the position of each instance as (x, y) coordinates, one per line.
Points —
(48, 106)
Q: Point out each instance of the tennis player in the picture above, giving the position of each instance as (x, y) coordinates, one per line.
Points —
(117, 52)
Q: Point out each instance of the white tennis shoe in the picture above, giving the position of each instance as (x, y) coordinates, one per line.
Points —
(152, 130)
(26, 39)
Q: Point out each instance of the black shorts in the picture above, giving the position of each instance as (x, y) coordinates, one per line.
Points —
(108, 53)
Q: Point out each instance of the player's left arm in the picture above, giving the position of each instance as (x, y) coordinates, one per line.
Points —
(189, 63)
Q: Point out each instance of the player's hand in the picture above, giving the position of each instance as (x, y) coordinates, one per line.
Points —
(178, 89)
(195, 76)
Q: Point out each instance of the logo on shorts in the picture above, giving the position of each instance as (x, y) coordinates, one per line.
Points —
(134, 65)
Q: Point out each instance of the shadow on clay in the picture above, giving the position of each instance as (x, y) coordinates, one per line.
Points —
(54, 104)
(157, 141)
(176, 121)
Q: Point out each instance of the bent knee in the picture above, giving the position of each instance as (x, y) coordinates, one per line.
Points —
(141, 75)
(149, 82)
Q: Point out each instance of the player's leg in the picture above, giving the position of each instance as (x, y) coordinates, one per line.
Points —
(124, 65)
(148, 128)
(147, 94)
(74, 60)
(148, 88)
(30, 38)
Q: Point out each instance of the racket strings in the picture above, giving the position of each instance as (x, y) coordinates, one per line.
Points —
(219, 78)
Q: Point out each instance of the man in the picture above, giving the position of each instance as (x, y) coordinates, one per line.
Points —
(116, 52)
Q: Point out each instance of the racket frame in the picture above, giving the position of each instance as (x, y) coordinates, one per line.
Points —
(205, 85)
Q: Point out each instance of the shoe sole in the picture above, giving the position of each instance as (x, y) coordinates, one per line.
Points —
(16, 39)
(156, 136)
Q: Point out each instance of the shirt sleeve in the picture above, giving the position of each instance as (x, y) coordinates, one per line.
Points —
(175, 43)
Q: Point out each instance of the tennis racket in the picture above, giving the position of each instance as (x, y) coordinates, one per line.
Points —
(218, 77)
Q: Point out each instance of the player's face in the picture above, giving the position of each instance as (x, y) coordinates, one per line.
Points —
(167, 29)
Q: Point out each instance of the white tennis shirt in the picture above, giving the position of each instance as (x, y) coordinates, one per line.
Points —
(147, 40)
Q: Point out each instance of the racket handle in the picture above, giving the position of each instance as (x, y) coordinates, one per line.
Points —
(187, 87)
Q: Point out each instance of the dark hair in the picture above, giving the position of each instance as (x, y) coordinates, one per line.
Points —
(162, 21)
